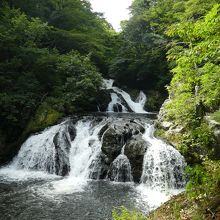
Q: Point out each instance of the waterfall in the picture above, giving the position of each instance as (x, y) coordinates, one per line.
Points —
(137, 106)
(116, 104)
(163, 166)
(120, 170)
(114, 147)
(39, 152)
(74, 148)
(85, 148)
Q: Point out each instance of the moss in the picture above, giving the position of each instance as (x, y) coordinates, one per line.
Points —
(44, 117)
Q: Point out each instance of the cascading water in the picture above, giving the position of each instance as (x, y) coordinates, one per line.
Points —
(163, 166)
(105, 147)
(116, 104)
(85, 148)
(120, 170)
(137, 106)
(39, 151)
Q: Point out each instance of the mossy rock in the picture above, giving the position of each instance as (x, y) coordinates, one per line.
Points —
(44, 116)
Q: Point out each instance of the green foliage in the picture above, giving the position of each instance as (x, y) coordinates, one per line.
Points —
(124, 214)
(74, 27)
(83, 82)
(195, 80)
(204, 181)
(47, 71)
(216, 116)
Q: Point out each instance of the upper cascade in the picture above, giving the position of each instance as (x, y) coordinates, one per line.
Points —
(136, 106)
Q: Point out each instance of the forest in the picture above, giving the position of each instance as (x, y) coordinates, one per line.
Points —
(55, 53)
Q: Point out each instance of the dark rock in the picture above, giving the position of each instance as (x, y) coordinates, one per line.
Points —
(72, 131)
(112, 143)
(62, 143)
(103, 99)
(99, 167)
(104, 128)
(135, 150)
(116, 135)
(117, 107)
(120, 170)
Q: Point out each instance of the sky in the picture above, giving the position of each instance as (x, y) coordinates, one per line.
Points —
(114, 11)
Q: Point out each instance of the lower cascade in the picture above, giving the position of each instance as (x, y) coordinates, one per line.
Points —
(116, 148)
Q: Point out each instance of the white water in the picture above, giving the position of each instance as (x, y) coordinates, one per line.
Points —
(85, 148)
(114, 104)
(137, 106)
(38, 152)
(121, 168)
(163, 166)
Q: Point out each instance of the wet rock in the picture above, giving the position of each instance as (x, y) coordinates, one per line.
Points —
(117, 107)
(120, 170)
(112, 143)
(99, 167)
(116, 135)
(62, 143)
(135, 150)
(72, 131)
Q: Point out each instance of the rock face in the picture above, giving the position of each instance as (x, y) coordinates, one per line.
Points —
(135, 150)
(127, 134)
(62, 142)
(120, 170)
(117, 135)
(215, 127)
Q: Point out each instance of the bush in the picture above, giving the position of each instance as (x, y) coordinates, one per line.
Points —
(204, 181)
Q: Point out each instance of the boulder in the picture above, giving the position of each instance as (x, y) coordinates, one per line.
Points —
(99, 167)
(116, 135)
(112, 143)
(62, 142)
(135, 150)
(120, 170)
